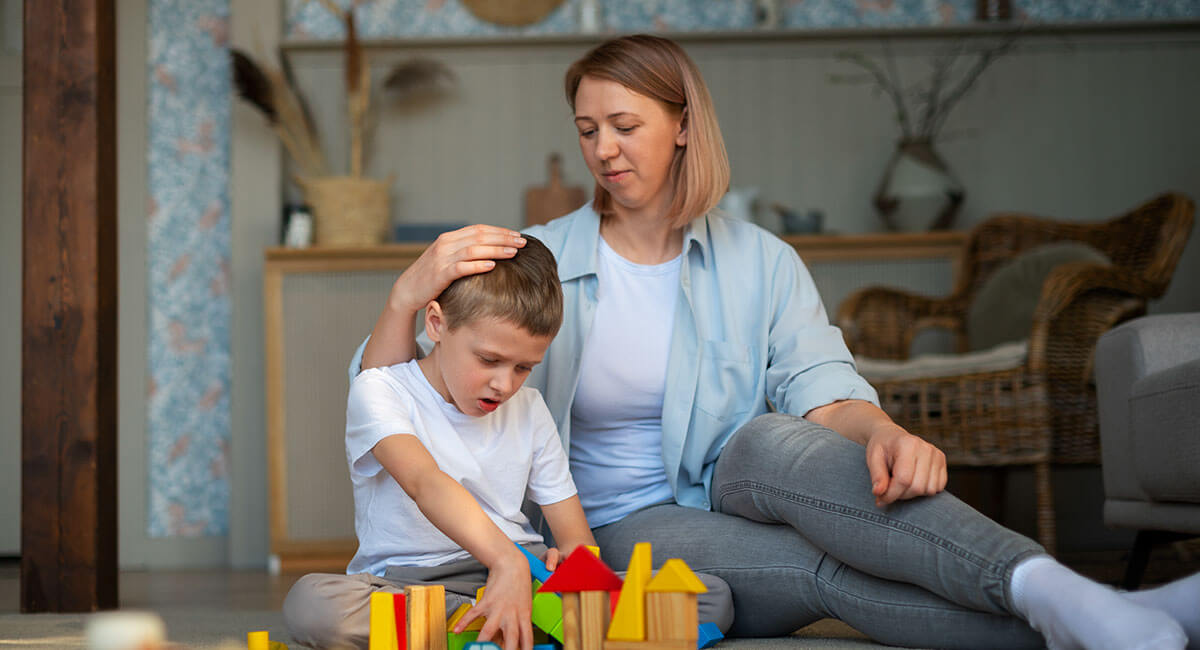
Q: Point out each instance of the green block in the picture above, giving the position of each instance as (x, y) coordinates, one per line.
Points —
(547, 613)
(460, 641)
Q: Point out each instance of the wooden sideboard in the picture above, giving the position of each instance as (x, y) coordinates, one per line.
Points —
(320, 303)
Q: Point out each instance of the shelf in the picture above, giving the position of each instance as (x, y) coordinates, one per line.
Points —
(763, 35)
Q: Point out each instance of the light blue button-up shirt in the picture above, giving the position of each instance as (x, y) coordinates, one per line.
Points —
(749, 326)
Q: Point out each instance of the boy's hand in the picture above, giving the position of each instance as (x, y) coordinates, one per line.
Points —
(507, 603)
(552, 558)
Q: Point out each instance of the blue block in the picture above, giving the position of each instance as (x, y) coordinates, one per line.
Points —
(546, 646)
(536, 568)
(482, 645)
(709, 634)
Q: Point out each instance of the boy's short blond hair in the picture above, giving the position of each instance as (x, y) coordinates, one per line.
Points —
(523, 289)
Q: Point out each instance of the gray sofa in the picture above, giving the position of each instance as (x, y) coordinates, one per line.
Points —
(1148, 389)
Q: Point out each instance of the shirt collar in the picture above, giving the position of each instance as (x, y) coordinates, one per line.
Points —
(578, 257)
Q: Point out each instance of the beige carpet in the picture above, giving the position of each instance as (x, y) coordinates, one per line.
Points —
(219, 629)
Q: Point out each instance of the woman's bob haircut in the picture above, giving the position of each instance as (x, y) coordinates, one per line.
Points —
(658, 68)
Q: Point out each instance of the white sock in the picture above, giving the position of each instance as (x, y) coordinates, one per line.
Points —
(1180, 599)
(1072, 611)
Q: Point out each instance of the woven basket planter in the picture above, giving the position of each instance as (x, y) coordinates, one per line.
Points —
(347, 211)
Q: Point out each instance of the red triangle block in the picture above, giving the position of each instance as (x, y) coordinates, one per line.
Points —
(582, 571)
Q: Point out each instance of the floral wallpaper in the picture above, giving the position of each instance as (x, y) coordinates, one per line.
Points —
(188, 253)
(395, 18)
(188, 247)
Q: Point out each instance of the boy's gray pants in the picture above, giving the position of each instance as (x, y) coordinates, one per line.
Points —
(331, 610)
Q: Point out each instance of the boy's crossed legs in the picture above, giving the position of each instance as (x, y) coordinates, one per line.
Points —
(330, 610)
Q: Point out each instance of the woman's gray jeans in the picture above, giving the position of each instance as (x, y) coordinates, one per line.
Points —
(797, 536)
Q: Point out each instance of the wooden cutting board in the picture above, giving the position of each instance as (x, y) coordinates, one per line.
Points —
(546, 202)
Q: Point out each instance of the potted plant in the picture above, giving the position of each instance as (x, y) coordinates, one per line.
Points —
(917, 182)
(349, 209)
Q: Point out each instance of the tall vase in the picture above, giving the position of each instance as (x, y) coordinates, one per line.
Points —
(918, 191)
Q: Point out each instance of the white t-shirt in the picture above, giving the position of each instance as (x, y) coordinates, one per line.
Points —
(616, 418)
(500, 458)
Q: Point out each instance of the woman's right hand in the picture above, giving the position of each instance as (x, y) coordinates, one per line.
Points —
(452, 255)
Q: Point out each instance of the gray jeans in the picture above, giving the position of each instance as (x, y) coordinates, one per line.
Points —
(332, 610)
(797, 537)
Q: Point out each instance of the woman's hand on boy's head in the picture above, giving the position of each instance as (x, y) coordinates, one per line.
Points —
(507, 604)
(452, 255)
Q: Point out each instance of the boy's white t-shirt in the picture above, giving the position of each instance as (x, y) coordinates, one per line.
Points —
(500, 458)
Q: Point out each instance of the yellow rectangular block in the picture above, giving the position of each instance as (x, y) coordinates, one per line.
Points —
(257, 640)
(383, 622)
(671, 616)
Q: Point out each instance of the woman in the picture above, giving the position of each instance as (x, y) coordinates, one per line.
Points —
(680, 326)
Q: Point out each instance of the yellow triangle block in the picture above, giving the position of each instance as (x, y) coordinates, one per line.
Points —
(458, 613)
(629, 621)
(676, 576)
(594, 549)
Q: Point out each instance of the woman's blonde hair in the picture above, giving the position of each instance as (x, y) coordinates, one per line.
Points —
(659, 69)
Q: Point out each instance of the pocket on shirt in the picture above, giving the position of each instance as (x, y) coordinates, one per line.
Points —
(725, 381)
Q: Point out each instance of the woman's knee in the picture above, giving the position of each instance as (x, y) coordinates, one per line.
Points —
(776, 441)
(316, 610)
(716, 604)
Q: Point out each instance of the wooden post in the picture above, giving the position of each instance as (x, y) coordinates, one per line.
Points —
(571, 621)
(69, 308)
(594, 613)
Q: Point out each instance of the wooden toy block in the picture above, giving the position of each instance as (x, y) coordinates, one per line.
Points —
(582, 571)
(460, 641)
(536, 567)
(707, 635)
(383, 622)
(482, 645)
(594, 616)
(649, 645)
(547, 613)
(474, 626)
(276, 645)
(594, 549)
(629, 619)
(458, 613)
(401, 618)
(675, 575)
(671, 616)
(570, 620)
(426, 617)
(479, 594)
(258, 640)
(544, 646)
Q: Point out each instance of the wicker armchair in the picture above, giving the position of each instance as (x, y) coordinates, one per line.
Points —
(1043, 411)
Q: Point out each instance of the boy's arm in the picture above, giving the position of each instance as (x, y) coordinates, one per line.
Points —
(568, 525)
(450, 507)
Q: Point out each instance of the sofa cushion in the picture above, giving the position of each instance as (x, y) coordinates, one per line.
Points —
(930, 366)
(1002, 309)
(1164, 413)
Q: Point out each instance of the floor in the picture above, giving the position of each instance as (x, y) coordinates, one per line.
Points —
(214, 609)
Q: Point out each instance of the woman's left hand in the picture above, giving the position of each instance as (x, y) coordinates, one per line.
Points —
(903, 466)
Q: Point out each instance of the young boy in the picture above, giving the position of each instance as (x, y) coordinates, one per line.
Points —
(443, 451)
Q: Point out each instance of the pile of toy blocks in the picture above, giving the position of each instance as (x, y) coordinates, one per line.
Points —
(582, 605)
